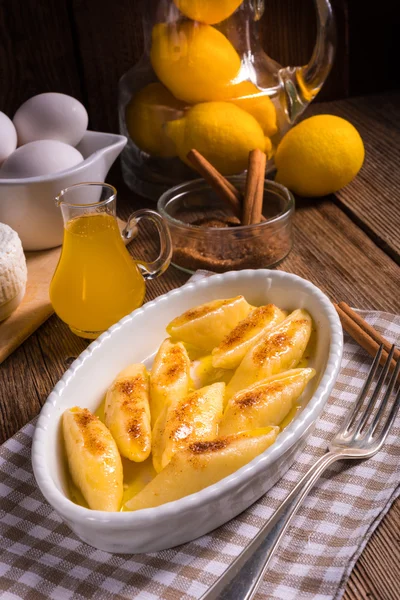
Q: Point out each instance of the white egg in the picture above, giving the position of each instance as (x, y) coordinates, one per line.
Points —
(40, 158)
(51, 116)
(8, 137)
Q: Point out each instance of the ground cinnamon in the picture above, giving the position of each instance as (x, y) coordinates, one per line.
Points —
(254, 191)
(240, 254)
(241, 248)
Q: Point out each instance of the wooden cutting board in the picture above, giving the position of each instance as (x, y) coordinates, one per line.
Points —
(35, 308)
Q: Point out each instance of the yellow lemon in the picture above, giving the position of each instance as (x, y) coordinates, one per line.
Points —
(221, 131)
(319, 156)
(248, 97)
(269, 149)
(194, 61)
(207, 11)
(146, 115)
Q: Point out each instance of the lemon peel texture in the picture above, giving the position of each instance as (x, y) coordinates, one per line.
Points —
(221, 131)
(247, 96)
(319, 156)
(146, 115)
(196, 62)
(208, 11)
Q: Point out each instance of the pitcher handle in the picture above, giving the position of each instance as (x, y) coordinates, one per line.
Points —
(302, 84)
(153, 269)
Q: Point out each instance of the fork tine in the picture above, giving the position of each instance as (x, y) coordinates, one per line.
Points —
(390, 421)
(385, 400)
(352, 414)
(375, 395)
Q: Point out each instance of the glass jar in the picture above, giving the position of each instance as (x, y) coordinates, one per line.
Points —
(205, 234)
(205, 82)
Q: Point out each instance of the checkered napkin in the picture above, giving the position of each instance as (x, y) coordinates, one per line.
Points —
(41, 558)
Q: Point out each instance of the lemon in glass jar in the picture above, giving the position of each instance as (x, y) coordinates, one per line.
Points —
(248, 97)
(196, 62)
(208, 11)
(146, 115)
(222, 132)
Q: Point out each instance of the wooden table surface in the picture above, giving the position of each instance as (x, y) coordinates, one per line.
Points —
(348, 244)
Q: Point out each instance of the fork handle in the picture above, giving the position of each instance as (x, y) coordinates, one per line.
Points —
(243, 577)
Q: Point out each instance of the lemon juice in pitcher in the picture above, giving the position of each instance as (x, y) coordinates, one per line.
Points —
(96, 281)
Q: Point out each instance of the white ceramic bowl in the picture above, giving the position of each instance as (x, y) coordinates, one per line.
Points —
(136, 338)
(27, 205)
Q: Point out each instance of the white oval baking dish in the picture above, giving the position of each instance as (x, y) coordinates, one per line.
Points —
(136, 338)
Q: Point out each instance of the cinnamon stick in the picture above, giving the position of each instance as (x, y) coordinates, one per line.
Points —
(221, 186)
(375, 335)
(254, 191)
(362, 337)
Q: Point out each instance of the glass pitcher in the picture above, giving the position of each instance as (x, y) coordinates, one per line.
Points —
(205, 82)
(96, 281)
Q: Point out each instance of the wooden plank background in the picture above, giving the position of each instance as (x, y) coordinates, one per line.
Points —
(82, 47)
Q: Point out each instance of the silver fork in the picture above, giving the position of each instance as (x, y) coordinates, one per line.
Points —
(357, 438)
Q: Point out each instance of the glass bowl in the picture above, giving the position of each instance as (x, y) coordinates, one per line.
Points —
(205, 234)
